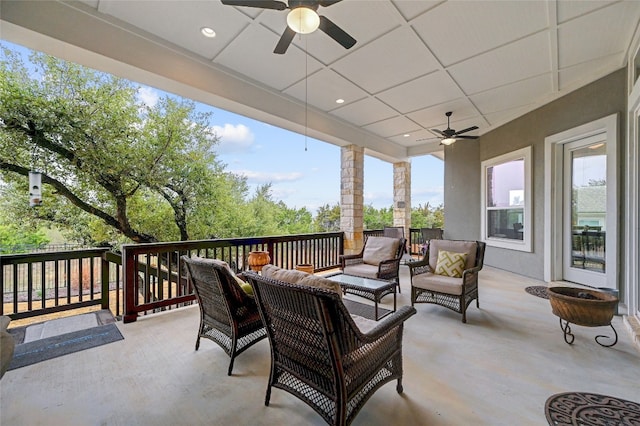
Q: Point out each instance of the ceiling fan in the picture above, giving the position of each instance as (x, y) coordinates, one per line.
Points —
(303, 18)
(449, 135)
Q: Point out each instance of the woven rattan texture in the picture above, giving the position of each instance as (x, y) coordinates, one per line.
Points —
(228, 316)
(455, 302)
(318, 353)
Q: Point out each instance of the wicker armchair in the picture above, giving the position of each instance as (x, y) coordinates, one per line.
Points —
(228, 315)
(450, 292)
(320, 355)
(379, 259)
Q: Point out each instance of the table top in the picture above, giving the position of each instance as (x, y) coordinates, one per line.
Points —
(360, 282)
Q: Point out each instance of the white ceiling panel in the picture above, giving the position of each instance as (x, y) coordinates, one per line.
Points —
(422, 92)
(487, 61)
(411, 9)
(251, 52)
(366, 111)
(569, 9)
(457, 30)
(519, 60)
(393, 127)
(324, 88)
(388, 61)
(180, 22)
(512, 95)
(601, 33)
(575, 76)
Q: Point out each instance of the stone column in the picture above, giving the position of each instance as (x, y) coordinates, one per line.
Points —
(351, 197)
(402, 196)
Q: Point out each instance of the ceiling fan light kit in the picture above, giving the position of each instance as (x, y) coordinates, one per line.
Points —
(449, 135)
(303, 20)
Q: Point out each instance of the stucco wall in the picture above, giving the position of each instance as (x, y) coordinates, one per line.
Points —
(462, 165)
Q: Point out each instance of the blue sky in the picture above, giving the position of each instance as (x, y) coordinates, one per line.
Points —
(302, 178)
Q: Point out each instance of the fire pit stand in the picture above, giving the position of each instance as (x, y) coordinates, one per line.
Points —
(588, 308)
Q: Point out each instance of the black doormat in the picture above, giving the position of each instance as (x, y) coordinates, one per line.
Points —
(589, 409)
(63, 344)
(537, 290)
(363, 310)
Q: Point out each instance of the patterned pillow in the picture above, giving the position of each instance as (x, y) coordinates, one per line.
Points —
(450, 264)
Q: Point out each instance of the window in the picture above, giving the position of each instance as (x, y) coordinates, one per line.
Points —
(506, 194)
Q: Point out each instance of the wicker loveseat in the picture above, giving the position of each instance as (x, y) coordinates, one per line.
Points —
(228, 315)
(321, 354)
(431, 283)
(379, 259)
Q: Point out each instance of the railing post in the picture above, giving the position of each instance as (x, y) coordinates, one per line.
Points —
(130, 275)
(105, 281)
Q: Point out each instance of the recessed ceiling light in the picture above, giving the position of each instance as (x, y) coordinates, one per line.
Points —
(207, 32)
(339, 101)
(406, 135)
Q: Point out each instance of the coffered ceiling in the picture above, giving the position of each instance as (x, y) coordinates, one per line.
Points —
(487, 61)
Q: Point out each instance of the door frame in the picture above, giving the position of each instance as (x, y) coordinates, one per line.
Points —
(553, 191)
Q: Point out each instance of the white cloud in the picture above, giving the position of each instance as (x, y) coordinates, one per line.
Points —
(233, 138)
(266, 177)
(149, 96)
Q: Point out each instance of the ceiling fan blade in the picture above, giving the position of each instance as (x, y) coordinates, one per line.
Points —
(263, 4)
(327, 3)
(285, 41)
(336, 33)
(467, 130)
(465, 137)
(440, 133)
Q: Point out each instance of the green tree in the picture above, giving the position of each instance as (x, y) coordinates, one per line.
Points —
(328, 218)
(377, 219)
(111, 165)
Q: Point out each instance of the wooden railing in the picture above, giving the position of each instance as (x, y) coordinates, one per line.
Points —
(155, 279)
(144, 278)
(43, 283)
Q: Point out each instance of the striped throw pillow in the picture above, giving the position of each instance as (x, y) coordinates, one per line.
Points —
(450, 264)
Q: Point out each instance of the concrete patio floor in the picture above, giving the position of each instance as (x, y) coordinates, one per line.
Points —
(498, 369)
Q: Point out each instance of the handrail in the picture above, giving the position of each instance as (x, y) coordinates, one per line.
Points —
(155, 279)
(144, 278)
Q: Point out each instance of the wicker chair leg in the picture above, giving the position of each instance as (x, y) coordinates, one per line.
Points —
(399, 387)
(267, 397)
(230, 367)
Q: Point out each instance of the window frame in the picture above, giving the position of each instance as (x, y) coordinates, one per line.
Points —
(526, 243)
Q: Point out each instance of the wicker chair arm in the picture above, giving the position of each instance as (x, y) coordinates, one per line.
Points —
(350, 259)
(388, 323)
(418, 267)
(388, 269)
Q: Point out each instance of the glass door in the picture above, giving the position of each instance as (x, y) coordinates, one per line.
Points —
(585, 212)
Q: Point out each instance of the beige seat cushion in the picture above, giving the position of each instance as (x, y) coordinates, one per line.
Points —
(469, 247)
(293, 276)
(378, 249)
(362, 270)
(439, 283)
(290, 276)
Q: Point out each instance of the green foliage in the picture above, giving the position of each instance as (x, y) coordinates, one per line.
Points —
(427, 216)
(113, 167)
(328, 218)
(14, 236)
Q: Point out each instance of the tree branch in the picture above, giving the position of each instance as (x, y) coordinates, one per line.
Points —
(121, 225)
